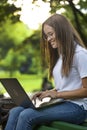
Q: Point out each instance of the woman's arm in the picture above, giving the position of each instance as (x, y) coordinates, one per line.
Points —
(73, 94)
(78, 93)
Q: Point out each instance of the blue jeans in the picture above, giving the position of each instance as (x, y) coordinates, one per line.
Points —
(25, 119)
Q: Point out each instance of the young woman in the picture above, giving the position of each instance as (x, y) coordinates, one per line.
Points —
(67, 60)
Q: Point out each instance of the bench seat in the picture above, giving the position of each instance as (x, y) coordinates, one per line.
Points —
(59, 125)
(68, 126)
(43, 127)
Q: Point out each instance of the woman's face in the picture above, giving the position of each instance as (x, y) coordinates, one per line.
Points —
(50, 36)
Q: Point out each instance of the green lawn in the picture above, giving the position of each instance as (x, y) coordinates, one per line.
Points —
(29, 82)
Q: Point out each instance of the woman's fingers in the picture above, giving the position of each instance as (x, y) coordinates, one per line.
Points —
(51, 94)
(35, 96)
(43, 95)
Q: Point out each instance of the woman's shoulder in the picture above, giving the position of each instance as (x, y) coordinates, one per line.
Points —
(80, 51)
(80, 55)
(80, 60)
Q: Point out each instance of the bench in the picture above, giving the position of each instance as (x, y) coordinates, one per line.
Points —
(59, 125)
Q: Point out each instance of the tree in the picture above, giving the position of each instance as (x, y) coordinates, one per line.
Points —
(8, 11)
(23, 44)
(32, 64)
(11, 38)
(17, 53)
(75, 11)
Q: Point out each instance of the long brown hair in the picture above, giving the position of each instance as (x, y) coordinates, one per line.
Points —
(67, 36)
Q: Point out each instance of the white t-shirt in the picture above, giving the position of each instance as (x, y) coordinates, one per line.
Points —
(73, 81)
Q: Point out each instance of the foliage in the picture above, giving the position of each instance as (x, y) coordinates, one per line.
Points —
(8, 10)
(19, 45)
(32, 52)
(11, 39)
(76, 11)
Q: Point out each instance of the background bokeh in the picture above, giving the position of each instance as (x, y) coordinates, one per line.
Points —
(20, 30)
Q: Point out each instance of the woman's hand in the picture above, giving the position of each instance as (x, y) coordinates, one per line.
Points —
(49, 93)
(35, 96)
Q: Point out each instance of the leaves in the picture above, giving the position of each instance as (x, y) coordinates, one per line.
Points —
(8, 11)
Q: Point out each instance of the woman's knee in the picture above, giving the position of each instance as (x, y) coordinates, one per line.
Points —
(16, 110)
(28, 114)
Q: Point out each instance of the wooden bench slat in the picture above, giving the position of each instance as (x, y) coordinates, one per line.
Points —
(47, 128)
(67, 126)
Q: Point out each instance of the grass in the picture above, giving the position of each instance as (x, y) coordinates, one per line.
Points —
(29, 82)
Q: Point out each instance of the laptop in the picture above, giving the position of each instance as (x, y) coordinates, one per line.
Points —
(20, 97)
